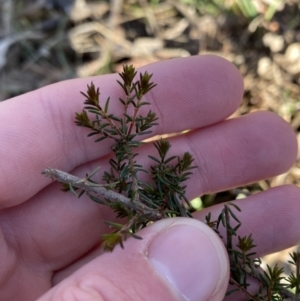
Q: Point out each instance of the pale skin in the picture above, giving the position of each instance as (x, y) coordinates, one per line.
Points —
(48, 238)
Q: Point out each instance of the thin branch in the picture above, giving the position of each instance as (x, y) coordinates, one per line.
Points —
(242, 289)
(99, 190)
(110, 121)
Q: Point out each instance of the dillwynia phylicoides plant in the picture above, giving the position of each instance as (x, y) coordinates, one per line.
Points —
(140, 203)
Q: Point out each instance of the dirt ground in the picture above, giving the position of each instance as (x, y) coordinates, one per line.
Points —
(46, 41)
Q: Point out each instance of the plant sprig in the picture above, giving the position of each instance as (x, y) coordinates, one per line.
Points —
(137, 201)
(140, 203)
(244, 265)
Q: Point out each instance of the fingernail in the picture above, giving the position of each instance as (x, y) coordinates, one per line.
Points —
(190, 259)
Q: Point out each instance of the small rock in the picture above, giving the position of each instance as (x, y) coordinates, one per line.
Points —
(292, 53)
(264, 68)
(289, 61)
(273, 41)
(146, 46)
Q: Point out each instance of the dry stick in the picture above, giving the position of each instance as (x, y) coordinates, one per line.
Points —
(149, 14)
(115, 13)
(100, 190)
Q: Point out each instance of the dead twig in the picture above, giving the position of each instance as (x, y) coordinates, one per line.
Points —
(101, 191)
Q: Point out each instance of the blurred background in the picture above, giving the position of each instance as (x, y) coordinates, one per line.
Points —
(46, 41)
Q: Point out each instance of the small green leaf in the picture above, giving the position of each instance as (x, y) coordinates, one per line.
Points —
(235, 206)
(94, 111)
(154, 159)
(128, 118)
(122, 101)
(163, 147)
(106, 105)
(82, 119)
(96, 200)
(100, 139)
(233, 215)
(170, 159)
(145, 133)
(143, 104)
(102, 126)
(92, 96)
(92, 134)
(114, 118)
(72, 189)
(65, 187)
(109, 241)
(89, 176)
(81, 193)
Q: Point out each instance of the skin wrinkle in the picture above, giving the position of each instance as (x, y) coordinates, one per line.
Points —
(73, 132)
(107, 286)
(271, 231)
(81, 247)
(221, 99)
(50, 243)
(59, 121)
(79, 293)
(9, 237)
(104, 287)
(222, 151)
(14, 164)
(161, 108)
(22, 249)
(8, 136)
(21, 279)
(49, 267)
(281, 219)
(226, 151)
(9, 266)
(161, 120)
(67, 270)
(202, 166)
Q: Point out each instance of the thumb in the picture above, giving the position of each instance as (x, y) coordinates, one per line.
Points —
(177, 259)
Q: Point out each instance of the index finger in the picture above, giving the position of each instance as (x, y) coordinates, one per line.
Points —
(37, 129)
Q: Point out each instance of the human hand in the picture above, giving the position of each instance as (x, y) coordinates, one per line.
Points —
(50, 242)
